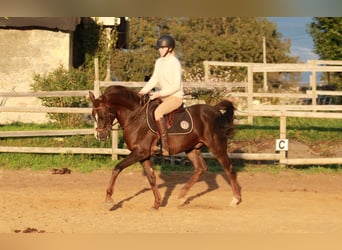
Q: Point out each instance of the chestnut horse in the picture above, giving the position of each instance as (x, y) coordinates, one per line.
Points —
(211, 127)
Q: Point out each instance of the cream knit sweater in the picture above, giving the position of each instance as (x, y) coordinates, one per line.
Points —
(167, 76)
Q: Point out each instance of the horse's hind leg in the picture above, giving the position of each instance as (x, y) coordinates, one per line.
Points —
(147, 164)
(200, 167)
(229, 170)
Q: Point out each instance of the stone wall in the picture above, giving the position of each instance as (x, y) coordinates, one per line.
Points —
(24, 53)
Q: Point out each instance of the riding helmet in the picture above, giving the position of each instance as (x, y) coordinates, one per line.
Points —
(166, 41)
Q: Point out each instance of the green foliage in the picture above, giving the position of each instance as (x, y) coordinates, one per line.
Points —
(210, 96)
(61, 80)
(20, 126)
(327, 37)
(312, 132)
(134, 65)
(200, 39)
(307, 130)
(80, 163)
(95, 43)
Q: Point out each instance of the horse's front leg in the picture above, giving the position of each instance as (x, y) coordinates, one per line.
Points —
(147, 164)
(132, 158)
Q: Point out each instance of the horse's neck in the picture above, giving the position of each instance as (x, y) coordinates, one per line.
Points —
(127, 114)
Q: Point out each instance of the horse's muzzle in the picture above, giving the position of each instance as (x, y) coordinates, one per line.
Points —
(102, 134)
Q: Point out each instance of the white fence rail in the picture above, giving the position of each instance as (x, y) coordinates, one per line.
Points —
(252, 110)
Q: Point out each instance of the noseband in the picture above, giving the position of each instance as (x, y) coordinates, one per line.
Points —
(116, 122)
(108, 114)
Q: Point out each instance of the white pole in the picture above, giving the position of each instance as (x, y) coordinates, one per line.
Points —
(264, 61)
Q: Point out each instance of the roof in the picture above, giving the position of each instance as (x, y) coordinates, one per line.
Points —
(55, 23)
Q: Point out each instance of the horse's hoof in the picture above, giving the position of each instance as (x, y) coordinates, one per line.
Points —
(182, 201)
(235, 202)
(109, 203)
(156, 206)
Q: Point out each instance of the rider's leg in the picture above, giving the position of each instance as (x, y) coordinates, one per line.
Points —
(168, 105)
(162, 128)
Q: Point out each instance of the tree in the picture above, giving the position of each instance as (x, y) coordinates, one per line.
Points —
(93, 42)
(327, 37)
(198, 39)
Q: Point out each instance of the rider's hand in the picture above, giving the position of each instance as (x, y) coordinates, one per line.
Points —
(154, 95)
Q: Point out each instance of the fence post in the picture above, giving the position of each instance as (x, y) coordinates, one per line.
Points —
(250, 93)
(314, 91)
(206, 71)
(97, 78)
(115, 142)
(283, 154)
(313, 84)
(96, 84)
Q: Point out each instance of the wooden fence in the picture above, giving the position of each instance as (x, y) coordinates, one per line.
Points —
(252, 110)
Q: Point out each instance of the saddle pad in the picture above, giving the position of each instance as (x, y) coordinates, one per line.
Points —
(182, 122)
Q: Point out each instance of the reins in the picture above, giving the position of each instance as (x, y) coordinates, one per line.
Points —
(135, 117)
(116, 120)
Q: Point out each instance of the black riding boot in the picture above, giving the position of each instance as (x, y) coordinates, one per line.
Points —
(161, 124)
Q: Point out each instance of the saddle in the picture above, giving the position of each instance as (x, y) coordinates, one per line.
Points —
(178, 122)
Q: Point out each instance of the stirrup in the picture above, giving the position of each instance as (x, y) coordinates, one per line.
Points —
(165, 152)
(158, 149)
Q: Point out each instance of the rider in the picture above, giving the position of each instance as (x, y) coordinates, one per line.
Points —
(167, 77)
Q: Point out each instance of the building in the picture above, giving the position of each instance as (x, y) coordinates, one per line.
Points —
(29, 46)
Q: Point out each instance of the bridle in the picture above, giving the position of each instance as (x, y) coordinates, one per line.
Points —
(115, 121)
(110, 114)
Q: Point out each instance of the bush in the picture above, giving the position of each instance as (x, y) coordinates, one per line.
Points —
(93, 42)
(210, 96)
(62, 80)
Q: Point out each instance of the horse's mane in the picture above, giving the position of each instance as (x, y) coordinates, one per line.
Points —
(122, 92)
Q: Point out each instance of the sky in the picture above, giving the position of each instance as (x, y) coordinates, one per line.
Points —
(294, 28)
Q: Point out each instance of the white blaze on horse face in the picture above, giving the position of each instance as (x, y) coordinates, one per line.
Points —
(96, 117)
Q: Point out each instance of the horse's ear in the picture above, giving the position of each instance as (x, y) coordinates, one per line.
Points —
(103, 98)
(91, 96)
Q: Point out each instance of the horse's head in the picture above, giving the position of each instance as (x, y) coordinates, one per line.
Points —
(104, 118)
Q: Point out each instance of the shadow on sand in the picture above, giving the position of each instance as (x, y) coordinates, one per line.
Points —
(170, 179)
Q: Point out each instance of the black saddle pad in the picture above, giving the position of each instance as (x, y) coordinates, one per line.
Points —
(180, 123)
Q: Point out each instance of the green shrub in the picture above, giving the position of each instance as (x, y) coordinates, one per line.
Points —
(93, 44)
(62, 80)
(210, 96)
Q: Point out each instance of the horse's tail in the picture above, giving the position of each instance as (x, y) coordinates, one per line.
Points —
(225, 122)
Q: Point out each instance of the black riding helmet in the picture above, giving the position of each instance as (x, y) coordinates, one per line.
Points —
(166, 41)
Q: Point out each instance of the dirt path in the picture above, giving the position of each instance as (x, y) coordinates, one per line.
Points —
(74, 203)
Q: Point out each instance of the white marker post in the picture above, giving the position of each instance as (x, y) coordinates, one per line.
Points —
(282, 145)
